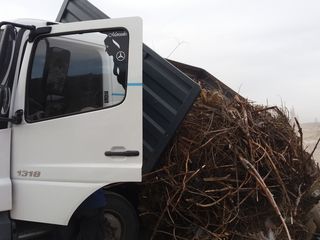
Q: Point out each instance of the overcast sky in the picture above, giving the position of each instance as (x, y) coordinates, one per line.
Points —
(267, 50)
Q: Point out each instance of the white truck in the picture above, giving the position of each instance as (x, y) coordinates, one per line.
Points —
(83, 106)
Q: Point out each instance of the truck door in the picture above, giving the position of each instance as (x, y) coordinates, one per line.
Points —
(80, 88)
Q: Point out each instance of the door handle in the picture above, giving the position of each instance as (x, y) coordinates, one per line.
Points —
(122, 154)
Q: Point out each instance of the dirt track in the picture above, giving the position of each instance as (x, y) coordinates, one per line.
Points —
(311, 132)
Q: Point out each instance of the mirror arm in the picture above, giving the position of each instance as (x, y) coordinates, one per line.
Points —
(16, 119)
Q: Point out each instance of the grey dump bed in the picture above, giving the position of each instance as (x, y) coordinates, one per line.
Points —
(168, 93)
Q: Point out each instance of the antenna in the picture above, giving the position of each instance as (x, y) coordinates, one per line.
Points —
(178, 45)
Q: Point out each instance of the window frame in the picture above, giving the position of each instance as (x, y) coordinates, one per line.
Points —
(30, 67)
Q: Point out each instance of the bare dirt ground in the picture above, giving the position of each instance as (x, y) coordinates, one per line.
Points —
(311, 133)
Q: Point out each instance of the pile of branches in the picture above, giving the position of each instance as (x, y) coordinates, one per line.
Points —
(234, 171)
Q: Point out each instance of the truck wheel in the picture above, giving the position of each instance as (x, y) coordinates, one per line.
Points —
(122, 222)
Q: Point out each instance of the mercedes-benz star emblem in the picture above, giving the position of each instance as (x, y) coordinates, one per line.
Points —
(120, 56)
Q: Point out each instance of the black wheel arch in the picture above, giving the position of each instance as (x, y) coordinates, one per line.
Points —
(130, 191)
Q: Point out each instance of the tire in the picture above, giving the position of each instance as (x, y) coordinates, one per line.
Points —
(122, 220)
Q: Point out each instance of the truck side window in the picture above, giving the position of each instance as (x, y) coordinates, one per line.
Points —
(77, 73)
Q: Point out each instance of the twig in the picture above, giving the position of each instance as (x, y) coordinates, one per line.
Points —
(266, 190)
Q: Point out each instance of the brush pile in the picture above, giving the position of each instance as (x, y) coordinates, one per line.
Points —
(234, 171)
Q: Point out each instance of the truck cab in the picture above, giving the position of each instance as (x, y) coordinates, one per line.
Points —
(70, 115)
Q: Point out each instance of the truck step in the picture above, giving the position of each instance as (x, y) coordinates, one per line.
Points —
(33, 231)
(38, 235)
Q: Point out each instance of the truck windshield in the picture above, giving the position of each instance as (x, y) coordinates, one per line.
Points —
(7, 37)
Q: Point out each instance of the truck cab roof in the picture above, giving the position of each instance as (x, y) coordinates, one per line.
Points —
(35, 22)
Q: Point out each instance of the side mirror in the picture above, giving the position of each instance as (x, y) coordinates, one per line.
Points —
(5, 98)
(7, 36)
(4, 107)
(6, 48)
(1, 96)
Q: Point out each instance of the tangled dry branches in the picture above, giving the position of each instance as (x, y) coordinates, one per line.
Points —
(234, 171)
